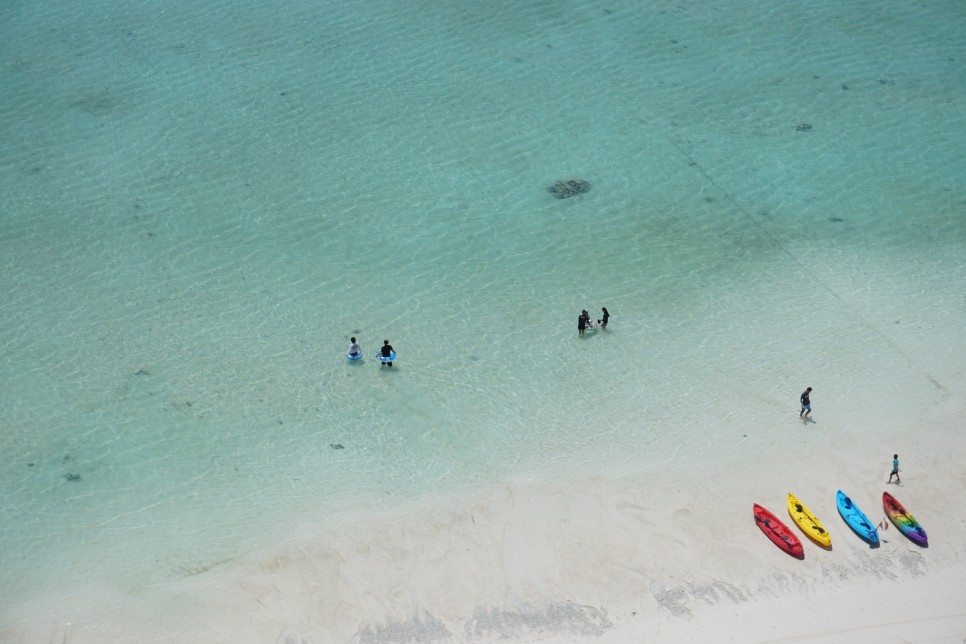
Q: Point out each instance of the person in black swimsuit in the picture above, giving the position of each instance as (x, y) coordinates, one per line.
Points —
(582, 322)
(603, 321)
(387, 351)
(806, 404)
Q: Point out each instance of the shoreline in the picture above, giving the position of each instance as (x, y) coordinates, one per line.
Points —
(603, 559)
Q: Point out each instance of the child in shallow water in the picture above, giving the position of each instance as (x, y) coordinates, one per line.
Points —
(386, 352)
(354, 348)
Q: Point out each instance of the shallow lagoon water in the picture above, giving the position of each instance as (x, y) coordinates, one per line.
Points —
(201, 205)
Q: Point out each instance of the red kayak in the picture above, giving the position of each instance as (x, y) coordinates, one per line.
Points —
(778, 532)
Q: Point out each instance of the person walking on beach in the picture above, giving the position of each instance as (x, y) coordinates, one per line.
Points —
(603, 321)
(582, 322)
(895, 469)
(387, 352)
(806, 405)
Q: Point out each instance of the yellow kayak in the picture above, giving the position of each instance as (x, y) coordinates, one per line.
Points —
(808, 523)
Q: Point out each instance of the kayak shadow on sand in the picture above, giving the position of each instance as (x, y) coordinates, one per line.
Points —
(872, 544)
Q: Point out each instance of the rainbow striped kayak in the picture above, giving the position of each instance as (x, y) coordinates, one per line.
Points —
(856, 519)
(906, 523)
(807, 521)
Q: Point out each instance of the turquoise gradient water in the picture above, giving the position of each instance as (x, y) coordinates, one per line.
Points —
(202, 203)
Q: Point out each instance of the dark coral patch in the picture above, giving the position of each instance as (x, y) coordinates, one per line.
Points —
(569, 188)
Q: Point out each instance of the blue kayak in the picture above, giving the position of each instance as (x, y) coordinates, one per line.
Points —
(856, 519)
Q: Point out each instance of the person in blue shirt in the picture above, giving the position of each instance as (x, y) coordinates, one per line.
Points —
(895, 469)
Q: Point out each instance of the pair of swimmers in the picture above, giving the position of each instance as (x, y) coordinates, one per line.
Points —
(355, 352)
(584, 321)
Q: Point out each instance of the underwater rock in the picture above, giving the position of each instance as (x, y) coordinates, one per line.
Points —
(803, 127)
(569, 188)
(70, 476)
(336, 446)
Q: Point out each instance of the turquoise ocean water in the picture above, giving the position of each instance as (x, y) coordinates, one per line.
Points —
(201, 202)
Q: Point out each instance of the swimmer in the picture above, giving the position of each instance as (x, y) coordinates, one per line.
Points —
(355, 351)
(387, 351)
(582, 321)
(603, 321)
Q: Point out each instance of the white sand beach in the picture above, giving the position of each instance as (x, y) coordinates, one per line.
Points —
(669, 555)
